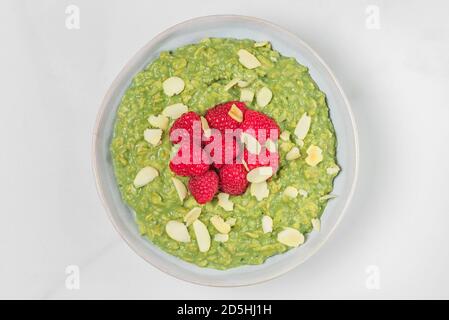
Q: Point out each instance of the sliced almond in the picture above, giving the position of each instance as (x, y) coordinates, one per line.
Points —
(159, 121)
(260, 190)
(177, 231)
(224, 202)
(261, 44)
(291, 237)
(303, 126)
(271, 145)
(299, 142)
(263, 97)
(153, 136)
(245, 165)
(231, 221)
(285, 135)
(332, 170)
(314, 155)
(243, 83)
(220, 237)
(316, 224)
(259, 174)
(246, 95)
(145, 176)
(176, 110)
(205, 127)
(202, 235)
(231, 83)
(327, 197)
(173, 86)
(303, 193)
(251, 143)
(220, 224)
(267, 224)
(192, 215)
(293, 154)
(248, 60)
(180, 188)
(291, 192)
(235, 113)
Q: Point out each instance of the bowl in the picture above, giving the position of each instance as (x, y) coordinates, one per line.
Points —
(288, 44)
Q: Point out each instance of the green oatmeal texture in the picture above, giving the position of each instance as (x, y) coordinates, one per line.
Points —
(206, 68)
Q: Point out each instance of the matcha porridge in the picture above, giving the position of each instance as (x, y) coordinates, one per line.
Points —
(225, 151)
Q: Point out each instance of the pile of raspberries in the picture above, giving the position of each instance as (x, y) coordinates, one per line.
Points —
(207, 177)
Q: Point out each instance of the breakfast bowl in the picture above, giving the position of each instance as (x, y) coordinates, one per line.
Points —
(261, 32)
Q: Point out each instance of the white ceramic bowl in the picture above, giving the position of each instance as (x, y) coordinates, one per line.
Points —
(228, 26)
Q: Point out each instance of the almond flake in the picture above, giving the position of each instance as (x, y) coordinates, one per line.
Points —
(303, 126)
(243, 83)
(153, 136)
(260, 190)
(176, 110)
(314, 155)
(180, 188)
(235, 113)
(192, 215)
(316, 224)
(271, 145)
(285, 136)
(303, 193)
(293, 154)
(159, 121)
(251, 143)
(177, 231)
(205, 127)
(219, 224)
(263, 97)
(231, 221)
(231, 83)
(245, 165)
(145, 176)
(267, 224)
(202, 235)
(332, 170)
(224, 202)
(246, 95)
(247, 59)
(291, 237)
(291, 192)
(261, 44)
(327, 197)
(259, 174)
(173, 86)
(220, 237)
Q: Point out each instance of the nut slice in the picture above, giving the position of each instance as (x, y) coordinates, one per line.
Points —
(220, 224)
(145, 176)
(285, 135)
(316, 224)
(220, 237)
(152, 136)
(263, 97)
(181, 189)
(291, 192)
(235, 113)
(261, 44)
(246, 95)
(328, 197)
(303, 126)
(243, 83)
(293, 154)
(192, 215)
(174, 111)
(260, 190)
(159, 121)
(231, 221)
(267, 224)
(231, 83)
(247, 59)
(314, 155)
(224, 202)
(173, 86)
(332, 170)
(291, 237)
(251, 143)
(271, 145)
(205, 127)
(259, 174)
(177, 231)
(202, 235)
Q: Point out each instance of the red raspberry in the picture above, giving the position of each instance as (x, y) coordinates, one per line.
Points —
(269, 159)
(233, 179)
(189, 162)
(229, 151)
(186, 122)
(204, 187)
(218, 117)
(260, 125)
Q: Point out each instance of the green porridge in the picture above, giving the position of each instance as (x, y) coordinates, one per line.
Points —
(213, 72)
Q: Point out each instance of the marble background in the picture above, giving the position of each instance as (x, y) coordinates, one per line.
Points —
(53, 80)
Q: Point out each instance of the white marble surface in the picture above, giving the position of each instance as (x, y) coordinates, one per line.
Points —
(53, 80)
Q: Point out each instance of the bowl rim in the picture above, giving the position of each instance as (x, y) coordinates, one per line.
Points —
(113, 87)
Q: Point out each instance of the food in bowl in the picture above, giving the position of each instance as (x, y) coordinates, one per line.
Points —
(225, 151)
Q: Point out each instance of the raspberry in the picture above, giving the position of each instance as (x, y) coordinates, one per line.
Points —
(218, 117)
(204, 187)
(260, 125)
(229, 151)
(194, 163)
(186, 122)
(269, 159)
(233, 179)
